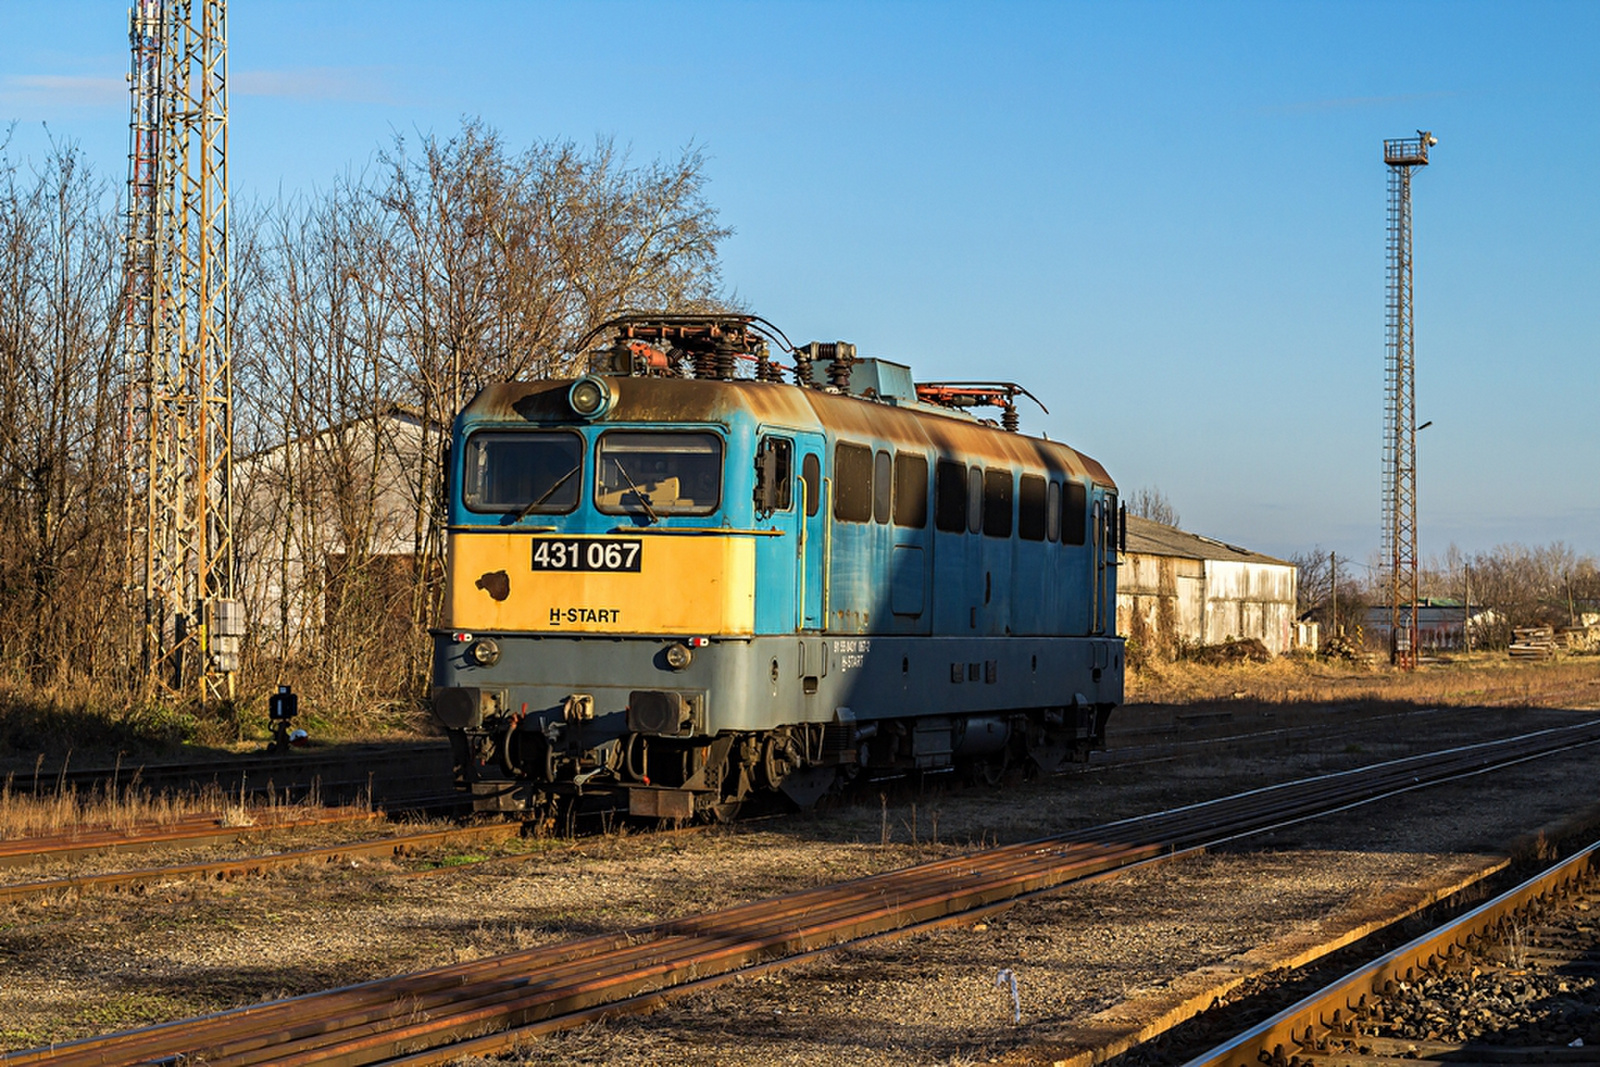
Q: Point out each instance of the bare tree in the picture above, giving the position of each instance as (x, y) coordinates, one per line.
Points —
(1524, 586)
(386, 304)
(363, 319)
(60, 405)
(1151, 503)
(1331, 590)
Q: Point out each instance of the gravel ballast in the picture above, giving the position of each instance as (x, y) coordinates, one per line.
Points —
(1087, 960)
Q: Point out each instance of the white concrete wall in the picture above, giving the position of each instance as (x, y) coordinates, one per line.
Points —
(1214, 600)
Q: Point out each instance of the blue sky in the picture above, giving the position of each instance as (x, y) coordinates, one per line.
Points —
(1165, 219)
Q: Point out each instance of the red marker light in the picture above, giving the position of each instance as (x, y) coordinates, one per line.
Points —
(461, 637)
(698, 642)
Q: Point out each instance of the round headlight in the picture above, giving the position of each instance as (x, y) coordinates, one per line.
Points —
(485, 652)
(679, 657)
(589, 397)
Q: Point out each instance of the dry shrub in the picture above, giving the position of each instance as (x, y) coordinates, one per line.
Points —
(1249, 650)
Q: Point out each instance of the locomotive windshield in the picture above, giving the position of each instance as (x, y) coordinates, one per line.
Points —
(525, 472)
(654, 474)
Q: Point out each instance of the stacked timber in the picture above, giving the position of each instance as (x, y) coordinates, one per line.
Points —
(1580, 638)
(1533, 642)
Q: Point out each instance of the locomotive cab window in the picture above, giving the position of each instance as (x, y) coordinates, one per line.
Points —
(852, 483)
(997, 492)
(1052, 511)
(811, 479)
(882, 487)
(910, 490)
(774, 474)
(654, 473)
(1074, 513)
(525, 472)
(950, 497)
(1031, 508)
(975, 500)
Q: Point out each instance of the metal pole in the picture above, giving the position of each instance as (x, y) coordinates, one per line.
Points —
(1333, 569)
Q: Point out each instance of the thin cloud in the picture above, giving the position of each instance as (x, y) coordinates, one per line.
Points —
(1352, 103)
(362, 85)
(58, 90)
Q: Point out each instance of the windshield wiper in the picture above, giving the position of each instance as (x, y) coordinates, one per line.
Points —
(643, 500)
(548, 493)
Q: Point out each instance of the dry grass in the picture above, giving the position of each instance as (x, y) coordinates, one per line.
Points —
(65, 810)
(1479, 680)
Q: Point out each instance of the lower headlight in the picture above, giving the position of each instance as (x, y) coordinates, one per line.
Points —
(485, 652)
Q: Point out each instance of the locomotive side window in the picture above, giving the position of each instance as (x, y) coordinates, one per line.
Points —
(1052, 512)
(950, 497)
(1074, 513)
(528, 472)
(811, 475)
(658, 473)
(910, 490)
(1030, 508)
(774, 474)
(882, 487)
(975, 500)
(852, 483)
(997, 492)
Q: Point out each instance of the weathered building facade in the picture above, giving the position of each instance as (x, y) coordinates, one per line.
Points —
(1178, 589)
(331, 518)
(1443, 623)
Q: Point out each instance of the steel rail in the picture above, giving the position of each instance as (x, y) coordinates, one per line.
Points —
(217, 768)
(228, 870)
(1297, 1029)
(401, 1016)
(500, 1041)
(186, 833)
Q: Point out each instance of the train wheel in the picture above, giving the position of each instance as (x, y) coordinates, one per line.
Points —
(780, 757)
(991, 771)
(725, 811)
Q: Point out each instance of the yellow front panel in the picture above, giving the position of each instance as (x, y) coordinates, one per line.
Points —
(686, 584)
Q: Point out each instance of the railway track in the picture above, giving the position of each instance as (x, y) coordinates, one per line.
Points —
(1466, 992)
(392, 775)
(193, 830)
(416, 777)
(437, 1015)
(1221, 730)
(392, 845)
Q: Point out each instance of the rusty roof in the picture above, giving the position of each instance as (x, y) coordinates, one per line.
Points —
(690, 400)
(1149, 538)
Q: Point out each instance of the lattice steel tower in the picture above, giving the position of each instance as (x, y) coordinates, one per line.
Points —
(177, 336)
(1400, 405)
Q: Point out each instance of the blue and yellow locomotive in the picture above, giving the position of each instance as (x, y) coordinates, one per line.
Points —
(678, 581)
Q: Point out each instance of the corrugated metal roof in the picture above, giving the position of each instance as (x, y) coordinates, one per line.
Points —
(1149, 538)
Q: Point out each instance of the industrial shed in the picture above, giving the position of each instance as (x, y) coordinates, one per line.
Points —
(1178, 589)
(331, 515)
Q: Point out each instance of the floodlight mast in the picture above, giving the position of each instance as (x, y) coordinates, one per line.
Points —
(1401, 155)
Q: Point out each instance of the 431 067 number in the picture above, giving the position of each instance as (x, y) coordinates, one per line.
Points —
(553, 554)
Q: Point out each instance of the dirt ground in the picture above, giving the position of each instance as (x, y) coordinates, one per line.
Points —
(74, 965)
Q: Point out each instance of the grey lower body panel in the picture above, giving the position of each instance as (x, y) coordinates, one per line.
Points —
(757, 683)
